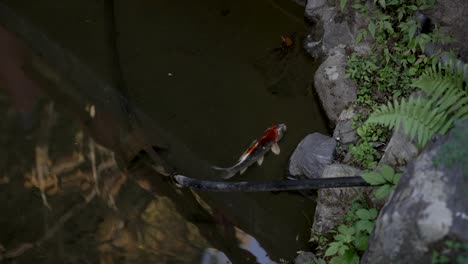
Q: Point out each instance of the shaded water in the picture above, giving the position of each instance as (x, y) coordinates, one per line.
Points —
(210, 75)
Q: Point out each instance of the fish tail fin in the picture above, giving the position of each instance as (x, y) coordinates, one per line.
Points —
(225, 173)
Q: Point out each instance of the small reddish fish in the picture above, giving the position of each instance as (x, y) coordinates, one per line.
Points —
(256, 151)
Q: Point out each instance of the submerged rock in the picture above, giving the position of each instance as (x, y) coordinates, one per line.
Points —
(335, 91)
(429, 205)
(333, 204)
(311, 155)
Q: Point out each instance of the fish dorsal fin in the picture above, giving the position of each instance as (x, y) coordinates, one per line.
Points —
(243, 170)
(260, 161)
(275, 149)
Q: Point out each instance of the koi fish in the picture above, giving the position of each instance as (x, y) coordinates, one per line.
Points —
(256, 151)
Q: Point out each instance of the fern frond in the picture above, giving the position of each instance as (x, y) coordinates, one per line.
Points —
(422, 124)
(441, 78)
(445, 101)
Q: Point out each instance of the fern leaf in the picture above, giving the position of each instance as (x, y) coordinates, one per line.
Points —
(449, 100)
(421, 124)
(446, 101)
(444, 129)
(459, 104)
(462, 113)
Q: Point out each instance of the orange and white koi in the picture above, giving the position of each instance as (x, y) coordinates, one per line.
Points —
(256, 151)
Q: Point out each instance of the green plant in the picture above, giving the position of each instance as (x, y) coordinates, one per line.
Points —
(351, 238)
(395, 61)
(343, 4)
(397, 54)
(320, 261)
(364, 153)
(452, 251)
(386, 177)
(445, 101)
(451, 154)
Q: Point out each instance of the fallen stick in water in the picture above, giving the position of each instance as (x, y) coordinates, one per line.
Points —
(269, 186)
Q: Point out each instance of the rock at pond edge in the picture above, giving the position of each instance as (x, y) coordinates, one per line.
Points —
(311, 155)
(428, 206)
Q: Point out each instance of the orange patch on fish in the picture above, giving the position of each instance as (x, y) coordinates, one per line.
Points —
(269, 135)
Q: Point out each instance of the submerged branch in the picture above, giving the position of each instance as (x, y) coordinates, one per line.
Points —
(268, 186)
(21, 249)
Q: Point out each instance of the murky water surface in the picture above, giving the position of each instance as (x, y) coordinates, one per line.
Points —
(205, 78)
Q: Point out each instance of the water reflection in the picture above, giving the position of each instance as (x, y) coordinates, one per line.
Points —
(250, 244)
(107, 203)
(214, 256)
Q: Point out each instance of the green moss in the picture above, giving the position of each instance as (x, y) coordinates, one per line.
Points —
(455, 151)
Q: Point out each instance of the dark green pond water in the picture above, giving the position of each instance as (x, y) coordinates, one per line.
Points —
(211, 76)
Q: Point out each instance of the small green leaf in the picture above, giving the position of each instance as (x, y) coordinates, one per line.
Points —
(320, 261)
(363, 214)
(362, 225)
(343, 4)
(388, 27)
(373, 213)
(465, 246)
(332, 249)
(449, 243)
(373, 178)
(462, 259)
(435, 257)
(345, 230)
(365, 225)
(396, 178)
(337, 260)
(340, 237)
(371, 28)
(342, 250)
(350, 257)
(382, 3)
(383, 191)
(411, 31)
(412, 71)
(400, 15)
(359, 37)
(444, 259)
(361, 241)
(387, 173)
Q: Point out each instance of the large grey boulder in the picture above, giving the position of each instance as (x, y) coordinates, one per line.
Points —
(335, 91)
(333, 204)
(311, 155)
(336, 31)
(399, 151)
(344, 133)
(314, 9)
(332, 27)
(451, 16)
(300, 2)
(330, 30)
(305, 257)
(428, 206)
